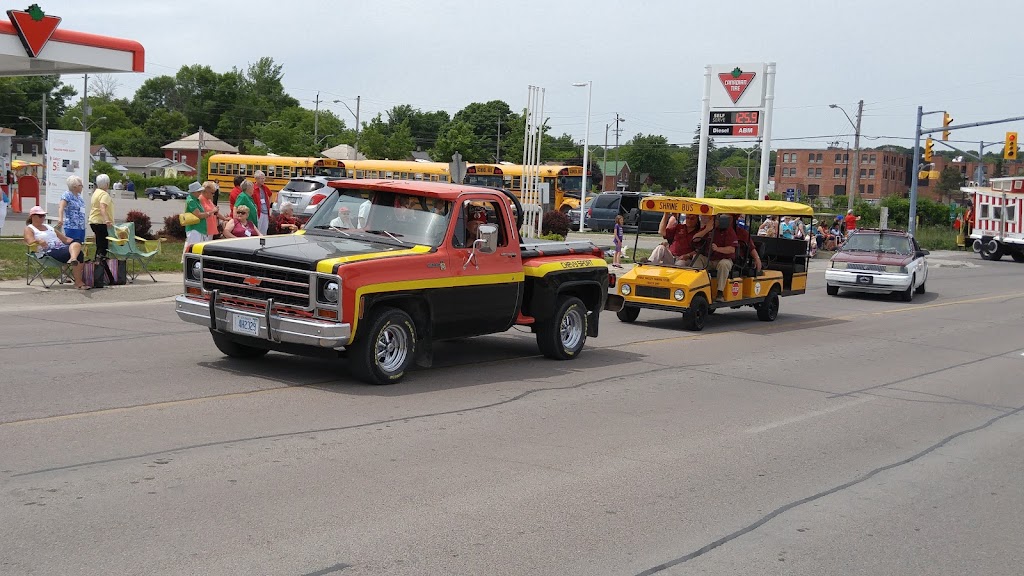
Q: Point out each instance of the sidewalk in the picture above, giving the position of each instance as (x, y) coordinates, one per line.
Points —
(16, 295)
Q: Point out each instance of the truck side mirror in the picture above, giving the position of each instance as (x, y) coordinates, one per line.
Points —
(487, 243)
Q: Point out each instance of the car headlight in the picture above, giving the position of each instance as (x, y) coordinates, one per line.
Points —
(679, 294)
(328, 290)
(194, 269)
(626, 290)
(839, 265)
(896, 269)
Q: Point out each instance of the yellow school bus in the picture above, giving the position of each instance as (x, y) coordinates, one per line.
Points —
(691, 290)
(279, 169)
(565, 182)
(396, 170)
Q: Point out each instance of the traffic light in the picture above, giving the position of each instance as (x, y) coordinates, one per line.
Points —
(946, 121)
(1010, 146)
(928, 149)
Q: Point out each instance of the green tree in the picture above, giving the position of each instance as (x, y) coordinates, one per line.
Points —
(950, 180)
(424, 127)
(23, 96)
(652, 155)
(162, 127)
(689, 173)
(457, 137)
(484, 119)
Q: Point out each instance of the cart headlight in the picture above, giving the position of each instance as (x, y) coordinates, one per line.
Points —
(626, 290)
(679, 294)
(329, 289)
(194, 270)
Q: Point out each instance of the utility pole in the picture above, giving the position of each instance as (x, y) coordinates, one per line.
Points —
(617, 132)
(497, 147)
(316, 119)
(357, 130)
(604, 163)
(856, 154)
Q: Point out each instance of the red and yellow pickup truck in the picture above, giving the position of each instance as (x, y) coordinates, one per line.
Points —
(385, 268)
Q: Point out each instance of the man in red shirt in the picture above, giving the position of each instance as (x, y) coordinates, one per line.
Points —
(678, 248)
(723, 249)
(262, 196)
(744, 239)
(851, 221)
(235, 192)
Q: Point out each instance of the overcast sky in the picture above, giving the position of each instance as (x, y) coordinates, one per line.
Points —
(645, 58)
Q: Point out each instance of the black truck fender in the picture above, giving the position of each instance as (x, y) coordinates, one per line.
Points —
(590, 286)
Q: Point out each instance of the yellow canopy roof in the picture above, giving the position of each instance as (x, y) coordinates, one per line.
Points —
(711, 206)
(19, 164)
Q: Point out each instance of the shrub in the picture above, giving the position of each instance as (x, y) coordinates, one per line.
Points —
(143, 224)
(173, 228)
(556, 237)
(555, 222)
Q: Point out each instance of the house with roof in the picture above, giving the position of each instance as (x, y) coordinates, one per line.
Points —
(616, 175)
(150, 167)
(342, 152)
(186, 150)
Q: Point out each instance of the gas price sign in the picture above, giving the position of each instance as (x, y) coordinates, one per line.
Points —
(739, 123)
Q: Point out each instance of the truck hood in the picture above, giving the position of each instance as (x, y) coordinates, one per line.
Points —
(301, 251)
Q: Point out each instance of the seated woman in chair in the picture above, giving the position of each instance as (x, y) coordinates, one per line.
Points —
(53, 243)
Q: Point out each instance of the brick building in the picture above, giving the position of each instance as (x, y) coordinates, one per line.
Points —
(814, 173)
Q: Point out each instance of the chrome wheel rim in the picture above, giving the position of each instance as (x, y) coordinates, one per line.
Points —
(572, 328)
(391, 349)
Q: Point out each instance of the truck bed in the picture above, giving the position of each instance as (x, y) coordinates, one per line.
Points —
(534, 248)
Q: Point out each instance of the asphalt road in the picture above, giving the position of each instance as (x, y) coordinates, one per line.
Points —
(855, 435)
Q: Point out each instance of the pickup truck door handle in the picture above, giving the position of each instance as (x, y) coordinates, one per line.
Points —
(509, 254)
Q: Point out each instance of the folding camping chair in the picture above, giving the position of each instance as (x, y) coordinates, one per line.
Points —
(37, 267)
(124, 245)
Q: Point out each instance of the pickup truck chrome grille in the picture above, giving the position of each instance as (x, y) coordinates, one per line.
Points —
(652, 292)
(258, 282)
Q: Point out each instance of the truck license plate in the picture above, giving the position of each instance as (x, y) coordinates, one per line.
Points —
(865, 279)
(248, 325)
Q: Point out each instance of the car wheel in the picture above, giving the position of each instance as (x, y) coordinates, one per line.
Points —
(908, 294)
(1017, 256)
(233, 349)
(628, 314)
(562, 336)
(151, 197)
(382, 353)
(831, 290)
(768, 310)
(921, 289)
(697, 315)
(987, 254)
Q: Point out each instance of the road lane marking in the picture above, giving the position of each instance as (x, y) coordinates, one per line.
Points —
(809, 415)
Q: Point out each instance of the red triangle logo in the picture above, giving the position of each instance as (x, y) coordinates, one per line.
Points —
(34, 33)
(736, 84)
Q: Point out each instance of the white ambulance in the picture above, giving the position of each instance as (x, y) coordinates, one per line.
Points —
(997, 227)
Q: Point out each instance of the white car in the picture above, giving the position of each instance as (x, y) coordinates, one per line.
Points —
(879, 262)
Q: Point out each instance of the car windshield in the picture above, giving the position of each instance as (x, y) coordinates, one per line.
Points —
(394, 218)
(888, 243)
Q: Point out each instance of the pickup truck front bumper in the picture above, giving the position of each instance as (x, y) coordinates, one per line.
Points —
(270, 327)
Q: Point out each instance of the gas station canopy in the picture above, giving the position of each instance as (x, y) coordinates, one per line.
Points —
(31, 44)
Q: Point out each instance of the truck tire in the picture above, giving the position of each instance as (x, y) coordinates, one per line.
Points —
(831, 290)
(233, 349)
(628, 314)
(697, 315)
(987, 254)
(563, 336)
(768, 310)
(386, 347)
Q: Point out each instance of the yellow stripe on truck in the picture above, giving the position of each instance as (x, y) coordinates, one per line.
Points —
(327, 266)
(545, 269)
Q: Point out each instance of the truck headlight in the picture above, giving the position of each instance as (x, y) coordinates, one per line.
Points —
(626, 290)
(679, 294)
(328, 290)
(194, 269)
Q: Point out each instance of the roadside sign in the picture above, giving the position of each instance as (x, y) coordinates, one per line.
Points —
(733, 130)
(739, 86)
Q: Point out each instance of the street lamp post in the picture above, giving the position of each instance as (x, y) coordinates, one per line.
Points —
(746, 190)
(855, 186)
(323, 138)
(586, 148)
(356, 114)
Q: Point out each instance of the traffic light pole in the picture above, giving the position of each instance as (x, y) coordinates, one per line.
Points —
(912, 224)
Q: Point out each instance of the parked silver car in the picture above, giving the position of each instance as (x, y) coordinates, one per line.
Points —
(305, 194)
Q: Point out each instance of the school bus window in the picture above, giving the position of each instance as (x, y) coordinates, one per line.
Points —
(419, 176)
(516, 182)
(444, 177)
(286, 172)
(359, 174)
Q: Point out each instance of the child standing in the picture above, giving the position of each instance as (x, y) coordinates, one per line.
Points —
(617, 240)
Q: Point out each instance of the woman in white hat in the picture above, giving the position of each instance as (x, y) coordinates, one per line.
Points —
(51, 242)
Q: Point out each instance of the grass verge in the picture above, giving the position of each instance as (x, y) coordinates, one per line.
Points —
(12, 258)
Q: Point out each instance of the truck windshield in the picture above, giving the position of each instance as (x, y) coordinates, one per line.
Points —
(397, 218)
